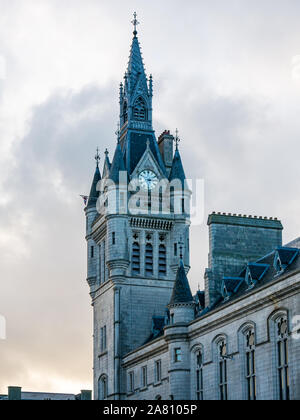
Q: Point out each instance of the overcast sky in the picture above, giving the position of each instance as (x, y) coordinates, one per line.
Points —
(226, 73)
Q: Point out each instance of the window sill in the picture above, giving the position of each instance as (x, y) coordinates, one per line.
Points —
(156, 384)
(131, 394)
(103, 354)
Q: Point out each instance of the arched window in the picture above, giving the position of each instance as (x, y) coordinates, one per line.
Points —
(149, 259)
(140, 110)
(199, 375)
(102, 388)
(250, 364)
(172, 199)
(125, 113)
(162, 260)
(283, 357)
(136, 258)
(222, 350)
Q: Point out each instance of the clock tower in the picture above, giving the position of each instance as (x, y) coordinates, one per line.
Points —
(137, 231)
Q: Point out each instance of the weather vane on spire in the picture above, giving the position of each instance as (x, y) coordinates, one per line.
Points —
(135, 23)
(177, 139)
(97, 157)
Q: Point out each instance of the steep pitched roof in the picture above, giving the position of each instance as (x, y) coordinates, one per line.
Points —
(106, 166)
(181, 292)
(117, 165)
(94, 194)
(135, 146)
(136, 67)
(177, 171)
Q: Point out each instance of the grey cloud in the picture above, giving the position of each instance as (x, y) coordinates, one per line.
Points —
(245, 148)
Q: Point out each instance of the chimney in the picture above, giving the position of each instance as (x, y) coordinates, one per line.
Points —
(165, 144)
(86, 395)
(14, 393)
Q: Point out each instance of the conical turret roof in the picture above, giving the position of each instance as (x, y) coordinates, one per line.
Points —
(94, 194)
(182, 291)
(117, 165)
(177, 171)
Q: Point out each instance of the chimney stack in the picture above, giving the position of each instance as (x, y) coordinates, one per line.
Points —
(165, 144)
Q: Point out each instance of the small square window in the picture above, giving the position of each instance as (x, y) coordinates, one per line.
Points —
(178, 355)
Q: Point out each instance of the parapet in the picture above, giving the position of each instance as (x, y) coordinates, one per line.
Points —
(244, 220)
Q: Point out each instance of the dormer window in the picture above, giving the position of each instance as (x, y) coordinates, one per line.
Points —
(284, 257)
(251, 283)
(140, 110)
(278, 266)
(231, 286)
(255, 273)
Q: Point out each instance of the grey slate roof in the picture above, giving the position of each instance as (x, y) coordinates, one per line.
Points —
(117, 165)
(181, 292)
(270, 275)
(177, 171)
(232, 283)
(94, 194)
(106, 166)
(135, 146)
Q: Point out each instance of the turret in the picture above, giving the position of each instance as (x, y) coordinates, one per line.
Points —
(182, 305)
(180, 198)
(118, 252)
(91, 214)
(182, 312)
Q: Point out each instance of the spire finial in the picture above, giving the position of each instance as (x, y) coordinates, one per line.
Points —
(135, 23)
(106, 152)
(177, 139)
(97, 157)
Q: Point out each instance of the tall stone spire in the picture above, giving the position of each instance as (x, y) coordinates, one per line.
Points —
(136, 92)
(136, 69)
(136, 95)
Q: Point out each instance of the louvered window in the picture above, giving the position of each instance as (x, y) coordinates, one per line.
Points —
(140, 110)
(162, 260)
(149, 259)
(136, 258)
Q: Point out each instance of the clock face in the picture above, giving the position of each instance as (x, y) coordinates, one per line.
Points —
(148, 180)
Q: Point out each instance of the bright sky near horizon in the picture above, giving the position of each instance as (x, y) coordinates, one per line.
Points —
(227, 74)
